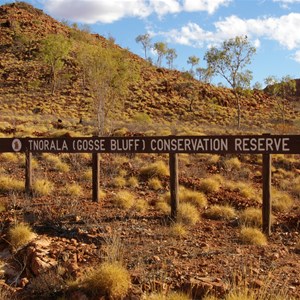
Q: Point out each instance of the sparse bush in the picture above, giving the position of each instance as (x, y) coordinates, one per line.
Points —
(20, 235)
(187, 214)
(157, 169)
(253, 236)
(154, 183)
(124, 199)
(110, 279)
(209, 185)
(43, 187)
(220, 212)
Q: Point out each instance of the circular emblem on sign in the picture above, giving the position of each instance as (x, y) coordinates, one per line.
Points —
(16, 145)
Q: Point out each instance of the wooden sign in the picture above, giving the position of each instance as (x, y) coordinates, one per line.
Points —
(255, 144)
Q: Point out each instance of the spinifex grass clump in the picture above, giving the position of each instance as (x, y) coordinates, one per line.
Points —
(124, 199)
(43, 187)
(110, 278)
(8, 184)
(253, 236)
(220, 212)
(157, 169)
(188, 214)
(20, 235)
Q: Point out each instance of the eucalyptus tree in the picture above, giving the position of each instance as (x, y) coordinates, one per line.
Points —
(145, 40)
(193, 61)
(54, 50)
(171, 56)
(229, 61)
(161, 49)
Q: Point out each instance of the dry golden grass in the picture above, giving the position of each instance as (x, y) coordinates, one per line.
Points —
(9, 157)
(245, 189)
(253, 236)
(163, 206)
(119, 182)
(220, 212)
(73, 189)
(251, 216)
(110, 279)
(281, 201)
(196, 198)
(8, 184)
(233, 164)
(169, 296)
(124, 199)
(188, 214)
(155, 183)
(2, 264)
(209, 185)
(20, 235)
(133, 182)
(43, 187)
(2, 207)
(141, 205)
(87, 175)
(157, 169)
(178, 230)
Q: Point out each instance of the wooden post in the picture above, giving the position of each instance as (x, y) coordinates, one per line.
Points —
(28, 173)
(173, 165)
(266, 207)
(96, 176)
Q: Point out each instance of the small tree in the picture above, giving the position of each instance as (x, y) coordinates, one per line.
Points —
(171, 55)
(204, 74)
(193, 61)
(161, 50)
(281, 88)
(55, 49)
(145, 40)
(229, 61)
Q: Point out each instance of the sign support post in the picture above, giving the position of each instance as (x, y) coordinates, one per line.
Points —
(96, 176)
(28, 173)
(173, 165)
(267, 206)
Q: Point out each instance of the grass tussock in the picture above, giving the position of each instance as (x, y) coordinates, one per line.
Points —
(2, 207)
(163, 206)
(133, 182)
(73, 189)
(233, 164)
(253, 236)
(169, 296)
(157, 169)
(141, 205)
(194, 197)
(8, 184)
(43, 187)
(2, 264)
(119, 182)
(220, 212)
(20, 235)
(210, 185)
(281, 201)
(110, 279)
(124, 199)
(155, 183)
(188, 214)
(251, 217)
(178, 230)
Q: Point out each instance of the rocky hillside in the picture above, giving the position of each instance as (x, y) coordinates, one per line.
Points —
(166, 96)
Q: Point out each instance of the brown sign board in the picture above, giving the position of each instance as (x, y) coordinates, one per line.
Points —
(255, 144)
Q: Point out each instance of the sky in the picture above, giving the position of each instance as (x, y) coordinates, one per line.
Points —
(191, 27)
